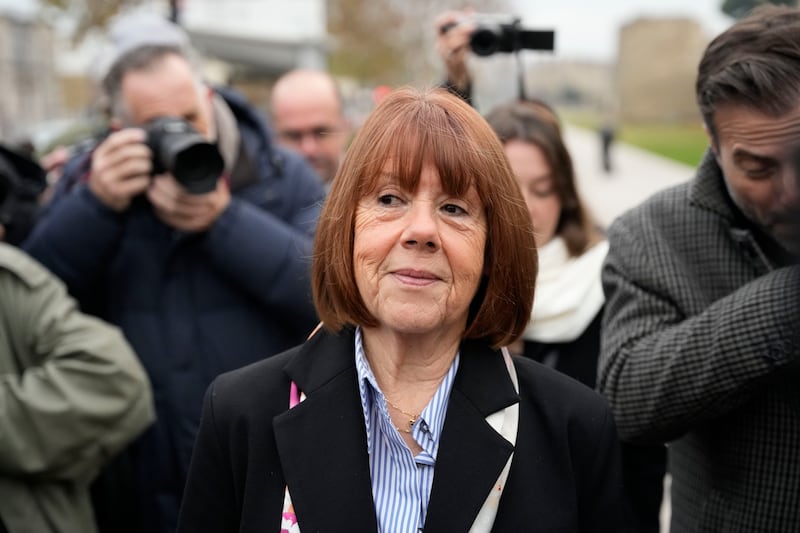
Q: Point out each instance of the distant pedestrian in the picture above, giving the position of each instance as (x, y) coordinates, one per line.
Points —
(607, 135)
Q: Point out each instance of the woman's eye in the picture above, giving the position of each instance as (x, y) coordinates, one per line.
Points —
(454, 209)
(387, 199)
(543, 192)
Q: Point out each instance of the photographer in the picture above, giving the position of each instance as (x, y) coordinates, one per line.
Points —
(452, 44)
(202, 276)
(460, 33)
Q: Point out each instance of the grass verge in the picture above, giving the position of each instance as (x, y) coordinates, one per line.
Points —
(682, 142)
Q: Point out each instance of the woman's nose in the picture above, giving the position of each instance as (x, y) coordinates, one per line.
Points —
(422, 228)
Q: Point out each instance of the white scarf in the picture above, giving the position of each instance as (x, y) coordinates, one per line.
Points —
(569, 293)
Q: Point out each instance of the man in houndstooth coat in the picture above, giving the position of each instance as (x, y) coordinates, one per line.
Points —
(701, 336)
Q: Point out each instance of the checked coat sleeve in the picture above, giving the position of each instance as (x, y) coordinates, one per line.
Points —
(691, 329)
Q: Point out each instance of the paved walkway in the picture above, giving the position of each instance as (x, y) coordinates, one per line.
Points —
(636, 174)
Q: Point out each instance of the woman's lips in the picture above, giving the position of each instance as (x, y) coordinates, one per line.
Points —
(415, 277)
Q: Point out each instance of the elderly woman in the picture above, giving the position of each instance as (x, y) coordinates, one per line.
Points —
(404, 413)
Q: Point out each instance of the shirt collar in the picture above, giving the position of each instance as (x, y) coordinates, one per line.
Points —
(428, 431)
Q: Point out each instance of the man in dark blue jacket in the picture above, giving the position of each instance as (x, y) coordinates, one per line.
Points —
(199, 283)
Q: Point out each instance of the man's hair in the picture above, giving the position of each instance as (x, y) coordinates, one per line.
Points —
(139, 59)
(754, 63)
(409, 129)
(536, 123)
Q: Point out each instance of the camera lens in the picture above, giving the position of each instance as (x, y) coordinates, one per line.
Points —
(484, 41)
(198, 167)
(180, 150)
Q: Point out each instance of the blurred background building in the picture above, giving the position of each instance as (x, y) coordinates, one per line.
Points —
(50, 51)
(656, 68)
(28, 75)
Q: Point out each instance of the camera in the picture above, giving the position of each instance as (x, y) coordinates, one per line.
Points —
(500, 33)
(178, 148)
(21, 182)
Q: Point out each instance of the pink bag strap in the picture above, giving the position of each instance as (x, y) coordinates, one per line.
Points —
(288, 518)
(294, 395)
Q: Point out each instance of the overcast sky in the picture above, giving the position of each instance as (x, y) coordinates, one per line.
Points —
(588, 29)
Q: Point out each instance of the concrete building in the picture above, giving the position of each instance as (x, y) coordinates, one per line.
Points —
(656, 69)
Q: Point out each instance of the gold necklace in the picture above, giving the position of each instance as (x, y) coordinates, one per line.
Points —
(412, 418)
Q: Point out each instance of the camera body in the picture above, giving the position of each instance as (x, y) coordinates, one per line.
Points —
(178, 148)
(502, 33)
(22, 180)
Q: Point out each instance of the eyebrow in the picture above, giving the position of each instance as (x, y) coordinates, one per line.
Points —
(540, 179)
(740, 154)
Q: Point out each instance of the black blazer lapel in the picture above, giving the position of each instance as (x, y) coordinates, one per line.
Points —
(471, 454)
(322, 442)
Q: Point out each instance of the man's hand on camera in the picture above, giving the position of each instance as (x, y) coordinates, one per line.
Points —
(121, 167)
(452, 43)
(184, 211)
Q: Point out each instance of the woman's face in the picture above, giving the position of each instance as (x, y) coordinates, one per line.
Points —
(535, 179)
(418, 255)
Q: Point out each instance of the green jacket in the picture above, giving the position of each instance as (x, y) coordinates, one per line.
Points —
(72, 394)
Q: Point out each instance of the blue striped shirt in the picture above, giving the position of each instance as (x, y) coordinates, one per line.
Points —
(401, 483)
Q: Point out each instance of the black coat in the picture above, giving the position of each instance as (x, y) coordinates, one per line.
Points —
(643, 466)
(565, 475)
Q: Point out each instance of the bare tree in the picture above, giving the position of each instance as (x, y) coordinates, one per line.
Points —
(390, 41)
(88, 14)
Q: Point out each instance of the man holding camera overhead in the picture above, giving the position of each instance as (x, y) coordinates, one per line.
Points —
(190, 230)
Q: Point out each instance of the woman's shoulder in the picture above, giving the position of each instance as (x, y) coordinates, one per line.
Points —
(255, 387)
(557, 395)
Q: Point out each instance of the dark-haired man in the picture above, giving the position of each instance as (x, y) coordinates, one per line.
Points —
(701, 333)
